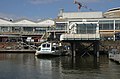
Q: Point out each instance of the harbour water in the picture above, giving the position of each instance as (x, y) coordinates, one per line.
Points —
(27, 66)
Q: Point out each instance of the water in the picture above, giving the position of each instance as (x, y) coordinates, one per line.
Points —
(27, 66)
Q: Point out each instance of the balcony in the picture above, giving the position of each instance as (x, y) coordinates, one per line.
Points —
(79, 37)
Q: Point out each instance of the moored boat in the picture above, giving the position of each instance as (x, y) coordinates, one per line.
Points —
(114, 55)
(50, 48)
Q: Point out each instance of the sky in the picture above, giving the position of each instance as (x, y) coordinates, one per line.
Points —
(41, 9)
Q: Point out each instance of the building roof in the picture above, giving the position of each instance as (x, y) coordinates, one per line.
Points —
(4, 21)
(114, 12)
(114, 9)
(82, 15)
(26, 22)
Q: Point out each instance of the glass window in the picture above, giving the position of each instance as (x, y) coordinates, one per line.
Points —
(16, 29)
(86, 28)
(111, 26)
(106, 24)
(28, 28)
(117, 26)
(44, 45)
(60, 26)
(117, 21)
(106, 21)
(48, 45)
(40, 29)
(100, 27)
(81, 28)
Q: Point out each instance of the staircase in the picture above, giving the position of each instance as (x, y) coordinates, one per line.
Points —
(45, 36)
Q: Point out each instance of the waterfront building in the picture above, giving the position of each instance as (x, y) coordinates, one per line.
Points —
(13, 31)
(108, 25)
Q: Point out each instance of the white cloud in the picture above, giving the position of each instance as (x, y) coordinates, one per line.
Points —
(10, 16)
(3, 15)
(42, 1)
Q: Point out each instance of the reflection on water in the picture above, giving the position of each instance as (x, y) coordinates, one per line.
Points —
(27, 66)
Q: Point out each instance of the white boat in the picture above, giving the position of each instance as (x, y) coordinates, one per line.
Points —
(50, 48)
(114, 55)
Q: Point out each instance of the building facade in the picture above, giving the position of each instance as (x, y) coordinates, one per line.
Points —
(15, 30)
(88, 21)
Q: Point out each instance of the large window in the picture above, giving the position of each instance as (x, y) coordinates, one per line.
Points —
(40, 29)
(86, 28)
(60, 26)
(106, 25)
(117, 24)
(16, 29)
(81, 29)
(28, 29)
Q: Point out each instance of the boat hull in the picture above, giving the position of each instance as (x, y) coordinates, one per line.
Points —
(49, 48)
(48, 53)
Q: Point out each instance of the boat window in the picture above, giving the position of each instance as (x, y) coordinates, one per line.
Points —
(44, 45)
(48, 45)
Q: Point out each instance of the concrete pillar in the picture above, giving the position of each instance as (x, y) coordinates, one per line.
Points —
(96, 48)
(114, 37)
(96, 61)
(73, 48)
